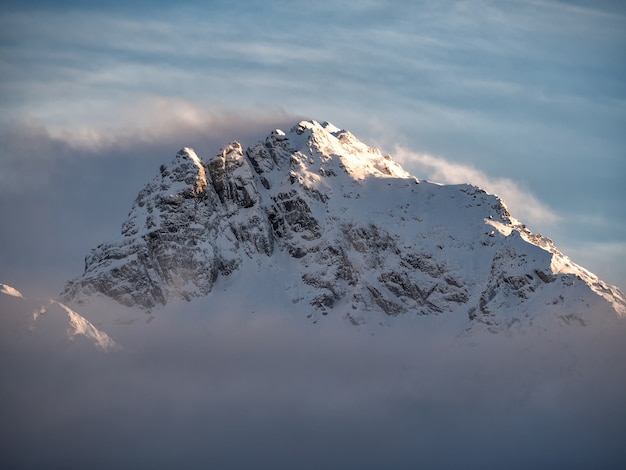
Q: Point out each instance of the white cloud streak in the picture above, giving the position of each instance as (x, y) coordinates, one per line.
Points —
(521, 202)
(160, 120)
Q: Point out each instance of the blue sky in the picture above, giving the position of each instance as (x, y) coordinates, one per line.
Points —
(524, 98)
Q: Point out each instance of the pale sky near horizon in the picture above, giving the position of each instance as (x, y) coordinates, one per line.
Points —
(524, 98)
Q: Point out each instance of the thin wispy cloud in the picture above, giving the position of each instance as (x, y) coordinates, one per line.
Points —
(158, 120)
(612, 10)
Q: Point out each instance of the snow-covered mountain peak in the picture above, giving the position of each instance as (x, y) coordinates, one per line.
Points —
(338, 151)
(347, 229)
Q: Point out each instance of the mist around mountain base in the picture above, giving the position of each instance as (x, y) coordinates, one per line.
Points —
(224, 384)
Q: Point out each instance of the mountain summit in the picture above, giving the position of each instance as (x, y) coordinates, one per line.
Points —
(336, 228)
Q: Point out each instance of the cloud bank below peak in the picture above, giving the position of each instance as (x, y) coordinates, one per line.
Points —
(151, 127)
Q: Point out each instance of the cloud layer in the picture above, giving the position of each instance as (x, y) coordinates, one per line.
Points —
(230, 390)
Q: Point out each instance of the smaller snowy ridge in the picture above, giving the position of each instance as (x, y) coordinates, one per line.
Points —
(560, 264)
(78, 325)
(48, 319)
(8, 290)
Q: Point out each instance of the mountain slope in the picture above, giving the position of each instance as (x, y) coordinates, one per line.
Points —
(341, 229)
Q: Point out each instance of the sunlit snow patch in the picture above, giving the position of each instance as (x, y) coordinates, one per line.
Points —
(8, 290)
(80, 326)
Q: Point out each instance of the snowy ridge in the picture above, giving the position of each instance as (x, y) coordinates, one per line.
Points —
(78, 325)
(339, 229)
(34, 314)
(561, 264)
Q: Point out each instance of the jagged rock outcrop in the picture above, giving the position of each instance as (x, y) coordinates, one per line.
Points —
(183, 231)
(359, 235)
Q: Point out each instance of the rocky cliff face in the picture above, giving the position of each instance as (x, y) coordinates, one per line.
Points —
(357, 234)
